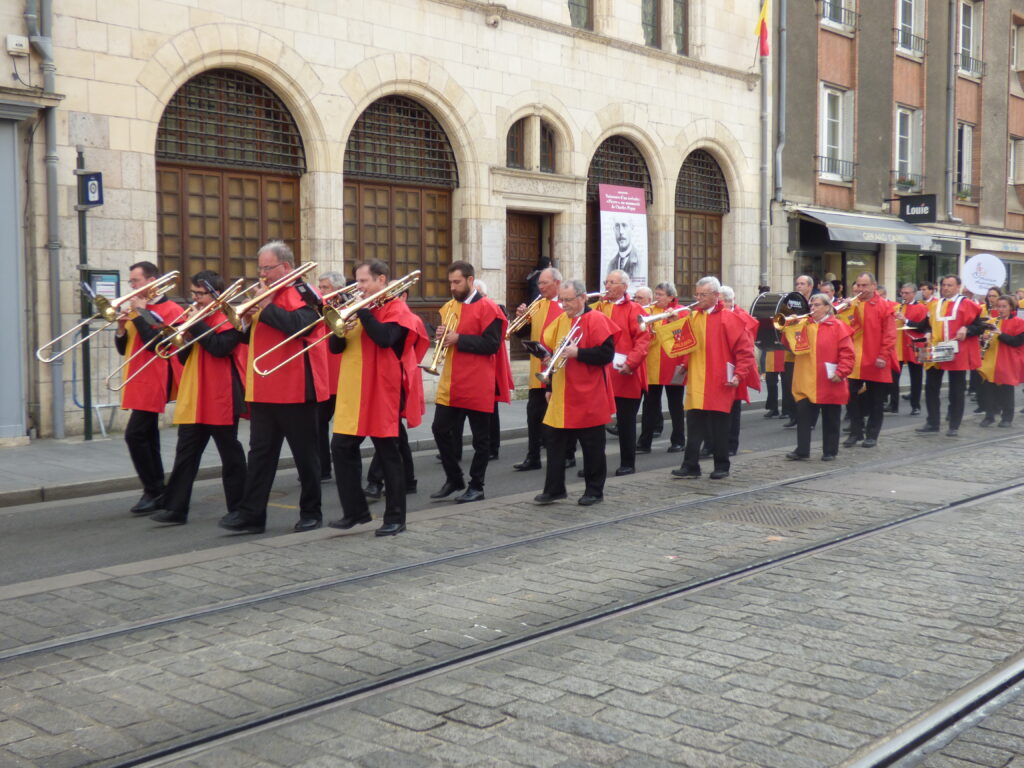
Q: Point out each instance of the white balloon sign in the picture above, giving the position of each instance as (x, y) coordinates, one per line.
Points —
(983, 271)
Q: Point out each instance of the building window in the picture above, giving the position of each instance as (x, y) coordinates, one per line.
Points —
(907, 150)
(910, 26)
(581, 14)
(835, 158)
(965, 190)
(1017, 47)
(515, 145)
(548, 147)
(1015, 164)
(650, 20)
(399, 174)
(839, 14)
(702, 199)
(681, 26)
(970, 39)
(228, 161)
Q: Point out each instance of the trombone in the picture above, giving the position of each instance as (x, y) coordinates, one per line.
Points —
(108, 310)
(149, 346)
(646, 320)
(558, 358)
(518, 323)
(339, 320)
(447, 325)
(172, 343)
(235, 313)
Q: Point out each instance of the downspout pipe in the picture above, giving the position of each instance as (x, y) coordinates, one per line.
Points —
(951, 114)
(766, 155)
(780, 111)
(39, 19)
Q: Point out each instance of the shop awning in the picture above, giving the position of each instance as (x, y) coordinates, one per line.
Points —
(862, 228)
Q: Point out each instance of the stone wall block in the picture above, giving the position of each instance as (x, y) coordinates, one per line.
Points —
(228, 34)
(118, 69)
(88, 129)
(131, 169)
(120, 133)
(145, 43)
(164, 17)
(111, 99)
(91, 35)
(167, 56)
(119, 41)
(187, 45)
(269, 47)
(124, 13)
(200, 17)
(248, 39)
(209, 38)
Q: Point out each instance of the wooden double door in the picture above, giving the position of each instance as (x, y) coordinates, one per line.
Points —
(524, 247)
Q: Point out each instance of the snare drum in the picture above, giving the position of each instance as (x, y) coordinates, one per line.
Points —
(943, 352)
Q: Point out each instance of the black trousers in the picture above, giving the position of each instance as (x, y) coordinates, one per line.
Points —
(957, 387)
(625, 417)
(324, 414)
(868, 407)
(192, 441)
(788, 403)
(734, 426)
(448, 420)
(712, 426)
(271, 425)
(142, 435)
(806, 415)
(494, 434)
(916, 372)
(998, 399)
(595, 466)
(375, 474)
(536, 407)
(771, 399)
(652, 414)
(348, 473)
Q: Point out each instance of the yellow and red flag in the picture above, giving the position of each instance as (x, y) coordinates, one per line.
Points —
(762, 29)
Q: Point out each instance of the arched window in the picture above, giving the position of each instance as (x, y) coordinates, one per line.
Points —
(548, 148)
(515, 145)
(399, 174)
(228, 158)
(702, 199)
(617, 161)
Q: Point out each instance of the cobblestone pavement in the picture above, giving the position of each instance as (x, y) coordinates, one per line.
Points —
(93, 701)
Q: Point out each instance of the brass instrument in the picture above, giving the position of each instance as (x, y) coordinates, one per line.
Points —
(518, 323)
(176, 341)
(339, 320)
(150, 346)
(558, 358)
(646, 320)
(845, 304)
(991, 331)
(234, 313)
(447, 325)
(108, 310)
(781, 320)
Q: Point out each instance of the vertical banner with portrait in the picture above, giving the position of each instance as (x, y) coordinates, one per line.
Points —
(623, 232)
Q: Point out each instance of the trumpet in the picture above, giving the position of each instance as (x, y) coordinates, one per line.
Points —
(645, 321)
(845, 304)
(339, 320)
(558, 358)
(448, 324)
(518, 323)
(235, 313)
(781, 320)
(108, 310)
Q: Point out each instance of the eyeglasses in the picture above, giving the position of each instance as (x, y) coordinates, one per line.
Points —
(200, 293)
(267, 269)
(703, 294)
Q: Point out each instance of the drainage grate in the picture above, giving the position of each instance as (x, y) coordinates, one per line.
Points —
(775, 515)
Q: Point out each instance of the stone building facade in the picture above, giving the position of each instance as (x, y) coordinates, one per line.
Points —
(420, 131)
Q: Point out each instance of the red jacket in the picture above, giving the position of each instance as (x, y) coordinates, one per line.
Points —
(632, 343)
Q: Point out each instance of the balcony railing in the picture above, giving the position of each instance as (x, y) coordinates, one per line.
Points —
(970, 65)
(837, 12)
(907, 183)
(832, 167)
(907, 41)
(966, 193)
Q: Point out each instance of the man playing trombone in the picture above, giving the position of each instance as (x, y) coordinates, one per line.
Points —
(581, 400)
(283, 404)
(210, 400)
(149, 382)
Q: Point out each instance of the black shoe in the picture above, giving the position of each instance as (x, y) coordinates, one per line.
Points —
(148, 504)
(1004, 423)
(548, 498)
(686, 474)
(915, 411)
(951, 432)
(448, 489)
(625, 471)
(580, 473)
(390, 529)
(892, 409)
(471, 494)
(643, 449)
(570, 462)
(526, 465)
(675, 449)
(905, 397)
(613, 429)
(307, 524)
(794, 456)
(656, 433)
(705, 453)
(869, 442)
(233, 521)
(586, 500)
(847, 429)
(770, 414)
(345, 523)
(410, 487)
(790, 424)
(326, 478)
(928, 428)
(988, 421)
(168, 517)
(828, 457)
(719, 474)
(493, 456)
(373, 491)
(979, 410)
(732, 453)
(851, 441)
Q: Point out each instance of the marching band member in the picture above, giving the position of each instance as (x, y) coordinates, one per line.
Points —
(804, 285)
(928, 297)
(547, 310)
(629, 377)
(825, 356)
(719, 358)
(874, 340)
(372, 399)
(210, 400)
(1002, 364)
(147, 393)
(826, 287)
(581, 399)
(954, 317)
(975, 390)
(283, 405)
(329, 281)
(663, 373)
(908, 310)
(475, 377)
